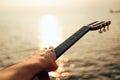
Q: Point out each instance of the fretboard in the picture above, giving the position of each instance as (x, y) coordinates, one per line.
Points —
(59, 50)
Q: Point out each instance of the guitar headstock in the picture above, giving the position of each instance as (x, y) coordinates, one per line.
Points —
(101, 25)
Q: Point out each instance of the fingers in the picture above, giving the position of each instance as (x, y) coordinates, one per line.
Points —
(50, 48)
(47, 58)
(51, 52)
(52, 67)
(45, 48)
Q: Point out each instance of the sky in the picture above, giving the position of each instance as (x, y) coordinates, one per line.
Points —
(14, 5)
(6, 4)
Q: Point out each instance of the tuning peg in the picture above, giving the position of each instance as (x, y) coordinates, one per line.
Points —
(100, 31)
(107, 27)
(104, 30)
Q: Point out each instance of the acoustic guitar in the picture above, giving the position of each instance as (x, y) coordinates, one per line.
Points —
(60, 49)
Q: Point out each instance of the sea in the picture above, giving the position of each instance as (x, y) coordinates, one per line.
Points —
(94, 57)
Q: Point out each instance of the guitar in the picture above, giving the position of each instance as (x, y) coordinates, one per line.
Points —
(60, 49)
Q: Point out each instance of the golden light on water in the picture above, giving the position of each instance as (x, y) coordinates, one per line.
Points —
(49, 31)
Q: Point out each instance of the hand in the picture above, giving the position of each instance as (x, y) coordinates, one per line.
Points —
(45, 59)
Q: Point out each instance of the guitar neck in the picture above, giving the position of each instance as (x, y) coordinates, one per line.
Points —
(59, 50)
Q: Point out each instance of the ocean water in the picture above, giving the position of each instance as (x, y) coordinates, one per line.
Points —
(94, 57)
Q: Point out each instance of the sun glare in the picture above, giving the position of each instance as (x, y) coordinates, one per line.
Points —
(49, 31)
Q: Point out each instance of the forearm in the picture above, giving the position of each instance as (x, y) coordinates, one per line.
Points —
(44, 60)
(21, 71)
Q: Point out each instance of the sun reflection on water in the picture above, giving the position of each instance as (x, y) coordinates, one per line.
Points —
(50, 36)
(49, 31)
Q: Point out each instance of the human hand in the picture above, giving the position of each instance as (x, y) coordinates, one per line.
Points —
(45, 59)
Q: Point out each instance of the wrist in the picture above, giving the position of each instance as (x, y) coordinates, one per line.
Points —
(33, 65)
